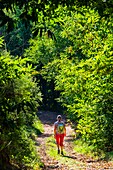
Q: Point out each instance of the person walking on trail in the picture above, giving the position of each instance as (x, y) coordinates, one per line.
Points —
(59, 133)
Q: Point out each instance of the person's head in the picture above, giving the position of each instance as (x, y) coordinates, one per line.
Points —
(59, 117)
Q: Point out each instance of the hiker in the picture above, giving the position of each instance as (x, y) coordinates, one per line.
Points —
(59, 133)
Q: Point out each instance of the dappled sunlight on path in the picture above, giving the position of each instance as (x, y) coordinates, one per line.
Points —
(71, 159)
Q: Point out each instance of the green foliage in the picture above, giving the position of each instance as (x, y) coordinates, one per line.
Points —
(90, 150)
(31, 10)
(75, 48)
(19, 99)
(1, 42)
(40, 51)
(16, 41)
(83, 75)
(43, 50)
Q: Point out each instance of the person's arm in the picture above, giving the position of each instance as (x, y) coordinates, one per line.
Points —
(54, 130)
(64, 130)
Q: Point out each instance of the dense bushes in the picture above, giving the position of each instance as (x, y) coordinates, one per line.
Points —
(18, 105)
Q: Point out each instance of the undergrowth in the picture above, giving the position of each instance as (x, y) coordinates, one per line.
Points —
(34, 163)
(89, 150)
(36, 129)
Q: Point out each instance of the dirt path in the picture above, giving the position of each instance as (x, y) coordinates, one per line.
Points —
(73, 160)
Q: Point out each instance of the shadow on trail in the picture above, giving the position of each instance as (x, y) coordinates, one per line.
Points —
(71, 157)
(69, 139)
(44, 135)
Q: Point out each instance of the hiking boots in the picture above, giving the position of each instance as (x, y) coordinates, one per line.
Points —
(58, 151)
(62, 153)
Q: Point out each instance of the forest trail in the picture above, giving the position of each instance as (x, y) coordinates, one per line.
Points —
(71, 160)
